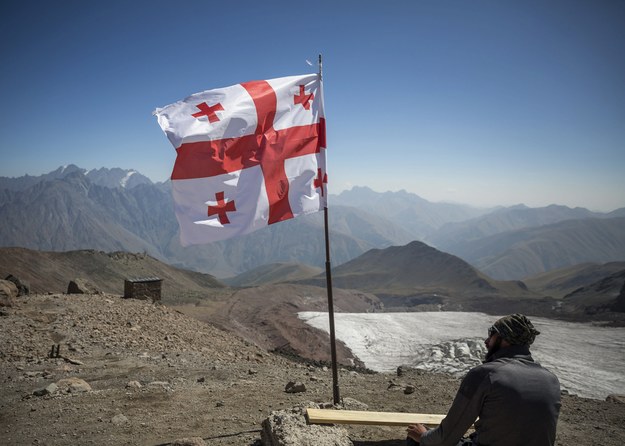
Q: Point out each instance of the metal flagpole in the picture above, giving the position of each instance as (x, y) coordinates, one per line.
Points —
(335, 373)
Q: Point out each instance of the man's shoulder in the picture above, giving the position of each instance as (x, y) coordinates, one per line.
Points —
(475, 378)
(485, 368)
(518, 365)
(482, 371)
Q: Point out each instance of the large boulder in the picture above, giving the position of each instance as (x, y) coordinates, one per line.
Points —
(8, 293)
(289, 428)
(23, 288)
(81, 286)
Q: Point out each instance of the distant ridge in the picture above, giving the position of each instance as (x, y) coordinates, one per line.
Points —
(115, 177)
(121, 210)
(503, 220)
(414, 214)
(601, 296)
(527, 252)
(560, 282)
(72, 208)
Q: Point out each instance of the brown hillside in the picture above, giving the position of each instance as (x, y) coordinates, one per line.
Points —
(52, 271)
(560, 282)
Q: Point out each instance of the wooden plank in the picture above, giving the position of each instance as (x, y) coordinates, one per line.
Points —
(331, 416)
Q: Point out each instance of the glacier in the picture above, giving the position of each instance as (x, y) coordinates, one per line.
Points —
(589, 360)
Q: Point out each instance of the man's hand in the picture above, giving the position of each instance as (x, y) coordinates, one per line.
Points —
(415, 431)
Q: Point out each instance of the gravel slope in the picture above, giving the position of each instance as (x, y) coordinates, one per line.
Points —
(157, 375)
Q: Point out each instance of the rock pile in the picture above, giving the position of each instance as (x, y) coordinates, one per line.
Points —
(289, 428)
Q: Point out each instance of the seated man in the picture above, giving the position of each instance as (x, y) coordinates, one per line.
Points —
(516, 399)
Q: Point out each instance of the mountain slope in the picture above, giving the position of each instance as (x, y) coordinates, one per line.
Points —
(527, 252)
(600, 296)
(52, 271)
(503, 220)
(560, 282)
(66, 210)
(70, 213)
(419, 277)
(115, 209)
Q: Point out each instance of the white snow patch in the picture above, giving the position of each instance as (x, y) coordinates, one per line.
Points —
(588, 360)
(124, 180)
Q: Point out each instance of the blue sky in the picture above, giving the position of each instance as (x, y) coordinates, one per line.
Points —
(480, 102)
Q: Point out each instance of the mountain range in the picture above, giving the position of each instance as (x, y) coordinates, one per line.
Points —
(121, 210)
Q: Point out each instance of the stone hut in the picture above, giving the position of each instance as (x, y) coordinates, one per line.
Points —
(143, 288)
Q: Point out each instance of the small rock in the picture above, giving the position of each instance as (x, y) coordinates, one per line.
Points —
(352, 404)
(409, 390)
(616, 398)
(252, 372)
(48, 390)
(74, 385)
(392, 385)
(295, 387)
(119, 419)
(133, 385)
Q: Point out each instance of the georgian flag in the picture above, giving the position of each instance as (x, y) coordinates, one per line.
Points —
(249, 155)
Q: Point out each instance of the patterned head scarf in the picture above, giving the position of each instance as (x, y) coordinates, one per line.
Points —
(516, 329)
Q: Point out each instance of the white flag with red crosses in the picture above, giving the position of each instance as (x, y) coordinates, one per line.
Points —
(249, 155)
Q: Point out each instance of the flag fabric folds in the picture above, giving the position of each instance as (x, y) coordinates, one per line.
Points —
(248, 156)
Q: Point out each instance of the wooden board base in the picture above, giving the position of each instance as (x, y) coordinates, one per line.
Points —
(331, 416)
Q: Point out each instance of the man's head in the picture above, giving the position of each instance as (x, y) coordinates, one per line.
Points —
(515, 329)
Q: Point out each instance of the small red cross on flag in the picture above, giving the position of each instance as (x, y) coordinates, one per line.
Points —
(208, 111)
(248, 156)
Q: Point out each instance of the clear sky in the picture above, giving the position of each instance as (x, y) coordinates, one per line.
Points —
(480, 102)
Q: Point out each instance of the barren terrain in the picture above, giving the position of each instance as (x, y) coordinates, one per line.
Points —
(155, 375)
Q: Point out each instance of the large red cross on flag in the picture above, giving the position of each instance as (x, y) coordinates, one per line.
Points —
(249, 155)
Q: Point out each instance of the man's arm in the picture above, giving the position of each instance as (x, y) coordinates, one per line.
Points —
(463, 412)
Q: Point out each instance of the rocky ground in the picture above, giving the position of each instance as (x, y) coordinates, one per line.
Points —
(131, 372)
